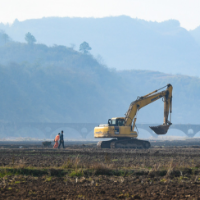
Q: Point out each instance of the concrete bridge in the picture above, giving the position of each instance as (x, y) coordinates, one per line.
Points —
(9, 129)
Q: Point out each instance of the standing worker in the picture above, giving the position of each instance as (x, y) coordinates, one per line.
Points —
(56, 140)
(61, 140)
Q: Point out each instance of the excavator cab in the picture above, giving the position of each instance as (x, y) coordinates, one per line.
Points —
(116, 122)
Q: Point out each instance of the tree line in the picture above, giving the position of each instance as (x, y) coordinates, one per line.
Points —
(30, 39)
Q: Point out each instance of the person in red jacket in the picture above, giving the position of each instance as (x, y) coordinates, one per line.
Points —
(56, 141)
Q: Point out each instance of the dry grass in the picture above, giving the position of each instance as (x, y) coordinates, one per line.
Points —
(170, 168)
(101, 166)
(72, 163)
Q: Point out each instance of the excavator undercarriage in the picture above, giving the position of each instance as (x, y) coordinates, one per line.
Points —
(131, 143)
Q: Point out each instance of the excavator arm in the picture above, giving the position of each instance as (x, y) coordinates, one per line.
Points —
(147, 99)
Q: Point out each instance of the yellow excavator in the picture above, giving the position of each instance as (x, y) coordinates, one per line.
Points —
(121, 129)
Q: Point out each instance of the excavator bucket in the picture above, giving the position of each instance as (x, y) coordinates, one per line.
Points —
(160, 130)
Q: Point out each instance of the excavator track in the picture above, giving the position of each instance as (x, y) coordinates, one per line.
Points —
(104, 144)
(124, 143)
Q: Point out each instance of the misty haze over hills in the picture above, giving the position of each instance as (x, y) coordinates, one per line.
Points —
(59, 84)
(196, 34)
(41, 83)
(122, 42)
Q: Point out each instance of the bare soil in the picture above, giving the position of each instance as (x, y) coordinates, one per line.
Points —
(81, 171)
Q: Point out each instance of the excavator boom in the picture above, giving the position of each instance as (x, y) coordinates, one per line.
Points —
(147, 99)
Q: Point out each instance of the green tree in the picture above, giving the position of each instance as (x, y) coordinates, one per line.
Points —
(84, 47)
(4, 37)
(30, 38)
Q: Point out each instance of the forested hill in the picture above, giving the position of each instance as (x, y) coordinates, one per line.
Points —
(123, 42)
(57, 84)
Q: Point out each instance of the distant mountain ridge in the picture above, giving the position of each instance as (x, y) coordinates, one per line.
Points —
(123, 42)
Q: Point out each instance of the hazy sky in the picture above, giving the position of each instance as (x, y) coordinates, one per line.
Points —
(186, 11)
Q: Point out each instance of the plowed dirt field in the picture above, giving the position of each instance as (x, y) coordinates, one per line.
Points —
(85, 172)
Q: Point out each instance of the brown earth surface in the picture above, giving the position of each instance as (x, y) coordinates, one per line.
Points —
(84, 172)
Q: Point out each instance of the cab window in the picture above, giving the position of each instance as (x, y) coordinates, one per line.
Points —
(116, 122)
(120, 122)
(112, 122)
